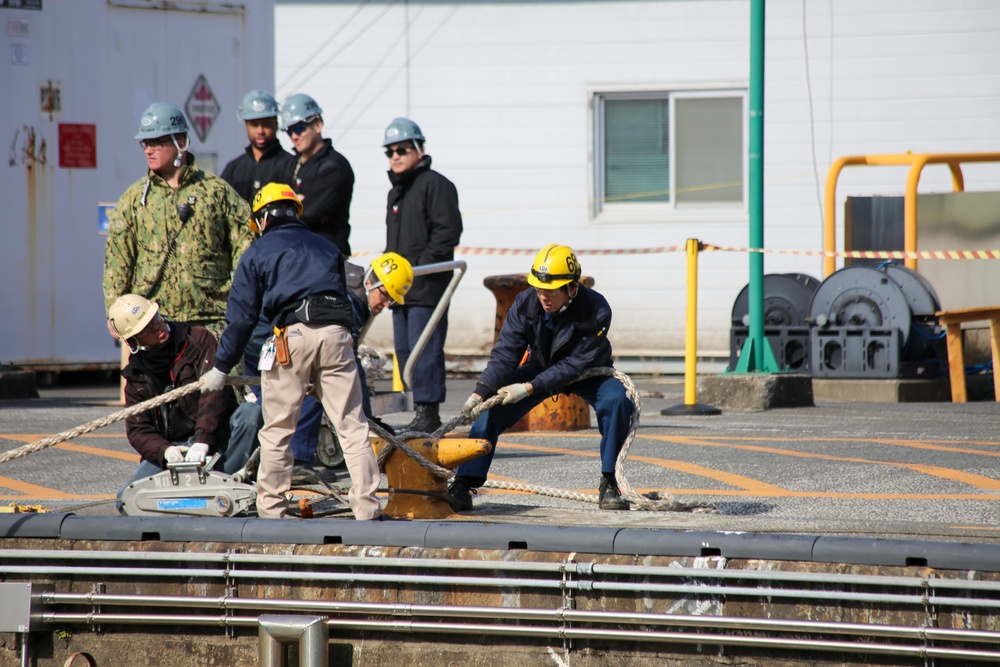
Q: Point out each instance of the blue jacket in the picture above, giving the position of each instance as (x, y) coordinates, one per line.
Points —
(560, 346)
(287, 264)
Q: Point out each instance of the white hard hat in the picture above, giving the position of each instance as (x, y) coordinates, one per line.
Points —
(130, 314)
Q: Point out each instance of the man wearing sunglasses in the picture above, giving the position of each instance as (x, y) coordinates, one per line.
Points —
(563, 326)
(423, 224)
(266, 161)
(322, 177)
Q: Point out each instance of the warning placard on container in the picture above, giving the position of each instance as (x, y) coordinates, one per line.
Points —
(77, 146)
(201, 107)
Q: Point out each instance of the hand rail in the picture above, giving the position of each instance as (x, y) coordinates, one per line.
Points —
(459, 267)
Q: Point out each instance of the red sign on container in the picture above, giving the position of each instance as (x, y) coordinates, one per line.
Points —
(77, 146)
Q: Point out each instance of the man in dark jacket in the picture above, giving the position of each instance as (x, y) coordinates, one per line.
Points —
(322, 177)
(264, 160)
(296, 279)
(563, 326)
(423, 224)
(166, 355)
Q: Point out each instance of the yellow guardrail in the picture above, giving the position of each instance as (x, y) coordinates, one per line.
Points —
(917, 162)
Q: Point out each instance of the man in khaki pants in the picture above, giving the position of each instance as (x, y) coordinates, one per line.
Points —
(295, 278)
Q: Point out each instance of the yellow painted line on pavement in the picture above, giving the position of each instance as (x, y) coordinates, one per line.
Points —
(937, 446)
(745, 483)
(762, 489)
(131, 457)
(951, 474)
(37, 492)
(35, 437)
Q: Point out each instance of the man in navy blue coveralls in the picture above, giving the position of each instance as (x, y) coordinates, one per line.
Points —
(563, 326)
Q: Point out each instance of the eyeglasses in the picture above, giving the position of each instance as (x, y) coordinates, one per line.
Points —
(300, 126)
(399, 150)
(159, 142)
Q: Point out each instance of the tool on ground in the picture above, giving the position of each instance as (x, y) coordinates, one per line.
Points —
(190, 489)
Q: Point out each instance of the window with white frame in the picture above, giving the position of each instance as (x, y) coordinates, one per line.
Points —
(669, 150)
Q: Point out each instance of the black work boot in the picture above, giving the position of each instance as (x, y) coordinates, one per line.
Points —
(460, 495)
(385, 427)
(426, 419)
(611, 497)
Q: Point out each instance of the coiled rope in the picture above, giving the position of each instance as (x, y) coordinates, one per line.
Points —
(394, 442)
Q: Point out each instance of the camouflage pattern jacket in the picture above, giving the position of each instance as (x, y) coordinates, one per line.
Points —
(199, 273)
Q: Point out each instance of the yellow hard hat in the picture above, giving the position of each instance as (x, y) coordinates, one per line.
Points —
(555, 265)
(130, 314)
(270, 193)
(395, 273)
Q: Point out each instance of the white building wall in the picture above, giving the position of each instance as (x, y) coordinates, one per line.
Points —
(502, 91)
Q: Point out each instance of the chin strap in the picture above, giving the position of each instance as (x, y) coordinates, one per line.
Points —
(179, 160)
(572, 295)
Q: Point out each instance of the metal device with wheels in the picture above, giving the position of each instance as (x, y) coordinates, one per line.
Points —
(328, 450)
(875, 322)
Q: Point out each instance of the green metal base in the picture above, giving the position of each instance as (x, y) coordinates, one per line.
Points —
(693, 410)
(746, 363)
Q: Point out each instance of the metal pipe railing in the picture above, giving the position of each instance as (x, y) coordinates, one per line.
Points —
(642, 636)
(560, 615)
(459, 267)
(917, 597)
(231, 562)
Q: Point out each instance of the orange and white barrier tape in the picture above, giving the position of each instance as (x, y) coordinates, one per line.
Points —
(708, 247)
(465, 250)
(869, 254)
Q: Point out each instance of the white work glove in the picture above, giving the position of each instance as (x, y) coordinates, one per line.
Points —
(513, 393)
(173, 454)
(213, 380)
(197, 453)
(471, 408)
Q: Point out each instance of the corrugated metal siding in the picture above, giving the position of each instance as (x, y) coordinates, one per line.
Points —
(501, 91)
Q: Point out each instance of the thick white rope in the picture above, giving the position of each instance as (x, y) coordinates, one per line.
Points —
(393, 442)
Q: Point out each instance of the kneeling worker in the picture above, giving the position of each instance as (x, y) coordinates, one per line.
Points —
(564, 328)
(296, 279)
(166, 355)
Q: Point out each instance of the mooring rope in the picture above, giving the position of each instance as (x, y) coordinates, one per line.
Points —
(636, 501)
(394, 442)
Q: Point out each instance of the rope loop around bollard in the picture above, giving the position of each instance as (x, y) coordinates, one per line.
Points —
(636, 501)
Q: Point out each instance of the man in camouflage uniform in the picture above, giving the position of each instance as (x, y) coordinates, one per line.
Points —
(177, 234)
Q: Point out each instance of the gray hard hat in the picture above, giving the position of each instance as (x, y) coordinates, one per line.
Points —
(402, 129)
(298, 107)
(161, 119)
(257, 104)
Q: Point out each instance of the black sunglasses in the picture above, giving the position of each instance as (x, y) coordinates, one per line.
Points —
(400, 151)
(299, 127)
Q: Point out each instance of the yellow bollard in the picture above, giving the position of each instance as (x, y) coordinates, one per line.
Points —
(414, 492)
(691, 405)
(397, 378)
